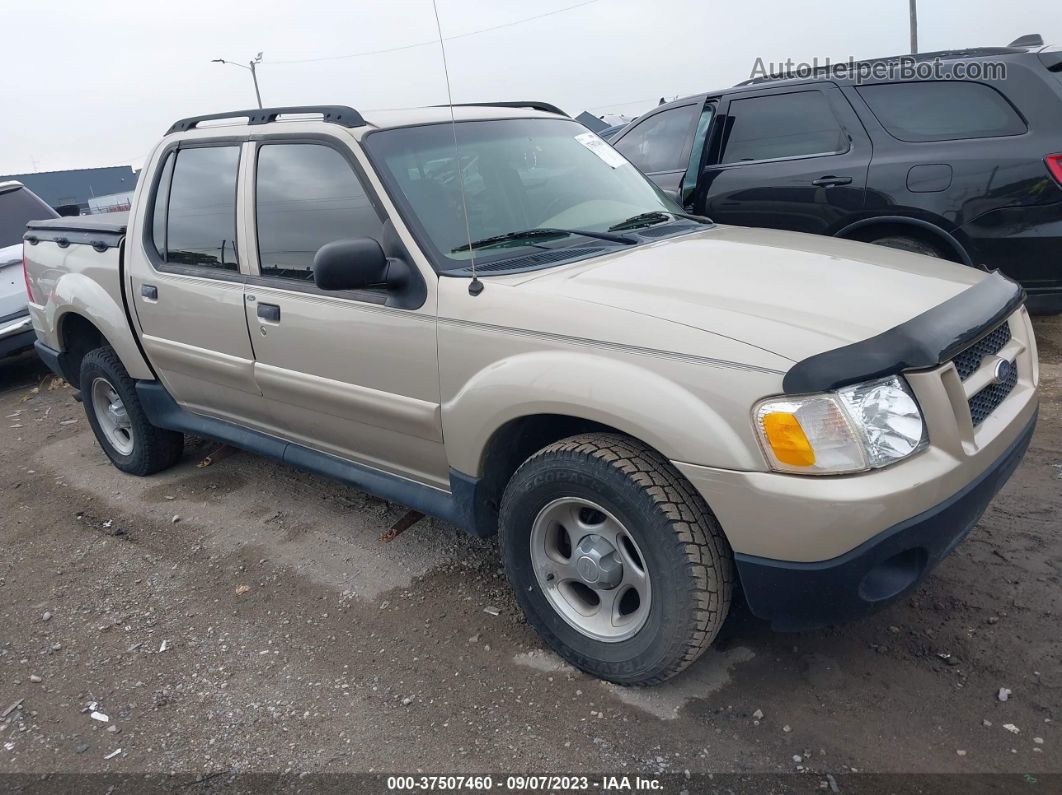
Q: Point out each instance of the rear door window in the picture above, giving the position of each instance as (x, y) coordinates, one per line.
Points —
(200, 209)
(798, 124)
(941, 111)
(659, 143)
(306, 195)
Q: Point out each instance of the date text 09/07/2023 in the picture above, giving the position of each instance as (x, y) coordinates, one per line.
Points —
(523, 783)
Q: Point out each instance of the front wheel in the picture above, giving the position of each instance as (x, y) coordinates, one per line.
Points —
(615, 560)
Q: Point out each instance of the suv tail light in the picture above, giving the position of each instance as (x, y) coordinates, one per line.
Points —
(25, 275)
(1054, 165)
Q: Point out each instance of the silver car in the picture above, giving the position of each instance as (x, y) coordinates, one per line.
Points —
(18, 206)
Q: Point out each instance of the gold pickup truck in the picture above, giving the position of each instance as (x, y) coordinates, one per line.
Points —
(485, 313)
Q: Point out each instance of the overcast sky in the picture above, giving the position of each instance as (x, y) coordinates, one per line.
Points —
(96, 82)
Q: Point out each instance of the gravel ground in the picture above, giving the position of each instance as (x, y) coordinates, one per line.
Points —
(246, 617)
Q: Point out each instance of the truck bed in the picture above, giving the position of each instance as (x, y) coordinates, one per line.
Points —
(99, 231)
(75, 274)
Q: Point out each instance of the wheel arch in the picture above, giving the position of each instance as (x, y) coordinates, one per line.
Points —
(901, 224)
(506, 413)
(77, 336)
(78, 296)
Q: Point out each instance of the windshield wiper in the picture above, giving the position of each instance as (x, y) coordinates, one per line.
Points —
(655, 217)
(543, 232)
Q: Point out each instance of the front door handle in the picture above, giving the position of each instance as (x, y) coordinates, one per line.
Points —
(269, 313)
(831, 181)
(150, 292)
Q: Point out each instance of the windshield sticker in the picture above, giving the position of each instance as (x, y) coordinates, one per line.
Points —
(602, 149)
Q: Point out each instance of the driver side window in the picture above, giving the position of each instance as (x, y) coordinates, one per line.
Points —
(658, 143)
(306, 195)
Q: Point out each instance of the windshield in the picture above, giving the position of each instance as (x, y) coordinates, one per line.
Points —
(519, 175)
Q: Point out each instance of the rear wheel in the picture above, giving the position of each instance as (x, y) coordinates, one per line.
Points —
(616, 561)
(132, 443)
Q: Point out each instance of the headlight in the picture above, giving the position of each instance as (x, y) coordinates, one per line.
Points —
(860, 427)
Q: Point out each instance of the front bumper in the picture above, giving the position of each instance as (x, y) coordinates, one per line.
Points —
(798, 595)
(16, 333)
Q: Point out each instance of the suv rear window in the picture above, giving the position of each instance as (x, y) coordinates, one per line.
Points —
(941, 111)
(798, 124)
(17, 208)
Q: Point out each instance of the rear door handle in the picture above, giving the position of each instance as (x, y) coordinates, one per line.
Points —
(150, 292)
(269, 313)
(830, 181)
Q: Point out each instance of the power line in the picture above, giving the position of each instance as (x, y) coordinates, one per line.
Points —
(435, 42)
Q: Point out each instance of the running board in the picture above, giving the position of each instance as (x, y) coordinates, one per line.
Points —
(454, 506)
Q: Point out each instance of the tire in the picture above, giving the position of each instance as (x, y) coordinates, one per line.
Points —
(685, 559)
(912, 244)
(132, 443)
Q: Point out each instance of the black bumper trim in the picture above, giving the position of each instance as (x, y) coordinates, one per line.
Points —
(797, 596)
(926, 340)
(23, 312)
(17, 343)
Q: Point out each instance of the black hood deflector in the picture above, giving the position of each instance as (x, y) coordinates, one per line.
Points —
(926, 340)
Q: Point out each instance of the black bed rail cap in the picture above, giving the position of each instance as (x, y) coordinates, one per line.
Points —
(333, 114)
(530, 105)
(926, 340)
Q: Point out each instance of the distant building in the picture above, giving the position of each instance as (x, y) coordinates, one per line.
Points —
(111, 203)
(70, 189)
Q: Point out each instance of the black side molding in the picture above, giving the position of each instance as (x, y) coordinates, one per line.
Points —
(457, 506)
(924, 341)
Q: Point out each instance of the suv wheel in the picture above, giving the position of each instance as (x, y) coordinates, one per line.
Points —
(132, 443)
(912, 244)
(615, 560)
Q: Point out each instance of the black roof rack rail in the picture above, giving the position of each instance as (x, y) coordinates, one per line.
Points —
(531, 104)
(333, 114)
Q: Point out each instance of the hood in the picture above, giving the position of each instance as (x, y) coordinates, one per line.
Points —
(793, 294)
(12, 283)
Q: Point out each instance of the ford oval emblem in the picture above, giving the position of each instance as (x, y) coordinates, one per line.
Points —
(1002, 372)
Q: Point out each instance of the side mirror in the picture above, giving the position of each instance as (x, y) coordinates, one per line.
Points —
(350, 265)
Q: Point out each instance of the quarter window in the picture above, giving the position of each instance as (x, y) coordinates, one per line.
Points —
(941, 111)
(659, 143)
(799, 124)
(195, 208)
(306, 195)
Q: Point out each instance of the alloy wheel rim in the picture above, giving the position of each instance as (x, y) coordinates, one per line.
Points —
(590, 569)
(112, 416)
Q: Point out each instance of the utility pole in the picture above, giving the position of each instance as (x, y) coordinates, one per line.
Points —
(254, 75)
(914, 27)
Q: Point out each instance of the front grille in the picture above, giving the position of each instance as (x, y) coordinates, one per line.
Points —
(985, 402)
(970, 359)
(969, 362)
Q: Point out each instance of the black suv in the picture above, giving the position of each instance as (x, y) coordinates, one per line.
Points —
(946, 165)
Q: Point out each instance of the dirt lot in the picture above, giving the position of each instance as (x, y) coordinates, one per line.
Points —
(246, 617)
